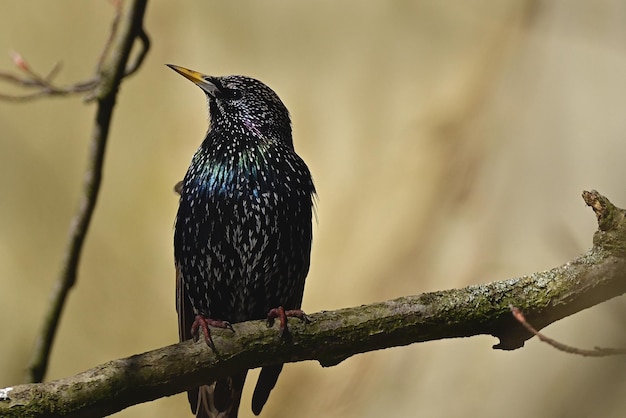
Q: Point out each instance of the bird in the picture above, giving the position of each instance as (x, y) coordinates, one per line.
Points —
(243, 230)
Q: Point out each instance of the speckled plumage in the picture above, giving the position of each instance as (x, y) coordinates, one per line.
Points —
(242, 239)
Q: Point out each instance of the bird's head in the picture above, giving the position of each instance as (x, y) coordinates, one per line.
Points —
(243, 103)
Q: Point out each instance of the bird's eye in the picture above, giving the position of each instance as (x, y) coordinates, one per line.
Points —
(231, 94)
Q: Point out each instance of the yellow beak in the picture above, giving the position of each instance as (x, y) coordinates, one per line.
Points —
(199, 79)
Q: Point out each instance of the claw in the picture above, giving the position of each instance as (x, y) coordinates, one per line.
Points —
(282, 314)
(202, 323)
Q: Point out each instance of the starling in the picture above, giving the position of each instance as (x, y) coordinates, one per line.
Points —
(242, 240)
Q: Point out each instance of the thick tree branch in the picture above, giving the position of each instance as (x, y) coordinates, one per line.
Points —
(112, 67)
(545, 297)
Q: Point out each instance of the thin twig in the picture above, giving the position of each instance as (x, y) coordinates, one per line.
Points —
(111, 74)
(141, 55)
(596, 352)
(112, 32)
(43, 86)
(53, 72)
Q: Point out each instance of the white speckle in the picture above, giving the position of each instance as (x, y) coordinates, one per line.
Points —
(4, 394)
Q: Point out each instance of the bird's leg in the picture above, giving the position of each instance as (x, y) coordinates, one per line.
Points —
(202, 323)
(282, 314)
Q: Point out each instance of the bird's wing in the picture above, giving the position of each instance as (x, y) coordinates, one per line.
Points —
(221, 398)
(186, 317)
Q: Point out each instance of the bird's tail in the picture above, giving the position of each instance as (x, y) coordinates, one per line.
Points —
(220, 399)
(265, 384)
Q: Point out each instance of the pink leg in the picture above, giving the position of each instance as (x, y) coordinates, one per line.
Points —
(203, 323)
(282, 314)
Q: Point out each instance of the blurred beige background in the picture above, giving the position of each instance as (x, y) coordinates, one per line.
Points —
(449, 142)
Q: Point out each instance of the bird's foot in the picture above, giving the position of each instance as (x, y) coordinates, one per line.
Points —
(282, 315)
(202, 323)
